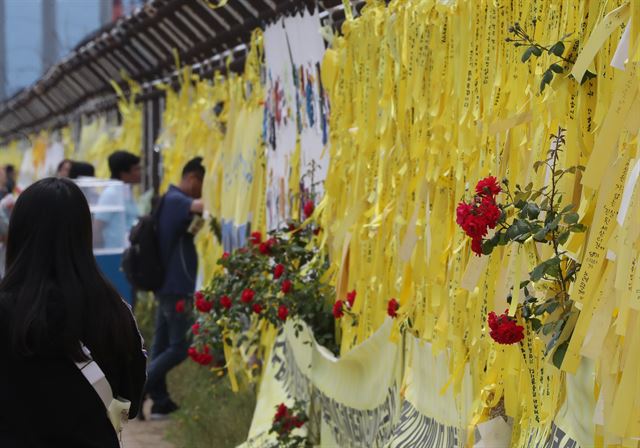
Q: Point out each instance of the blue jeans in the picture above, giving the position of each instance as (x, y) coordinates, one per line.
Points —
(170, 344)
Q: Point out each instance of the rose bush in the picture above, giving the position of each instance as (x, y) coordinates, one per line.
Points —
(270, 280)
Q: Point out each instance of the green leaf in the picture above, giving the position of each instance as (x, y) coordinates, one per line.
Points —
(532, 210)
(541, 235)
(563, 237)
(519, 203)
(539, 271)
(578, 228)
(571, 218)
(553, 268)
(544, 205)
(487, 247)
(548, 328)
(558, 355)
(535, 195)
(547, 77)
(527, 54)
(557, 48)
(535, 324)
(538, 164)
(568, 208)
(556, 68)
(524, 284)
(553, 224)
(536, 50)
(547, 307)
(518, 228)
(551, 306)
(512, 231)
(587, 76)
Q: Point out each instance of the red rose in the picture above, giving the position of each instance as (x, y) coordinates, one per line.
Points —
(490, 211)
(476, 246)
(278, 270)
(225, 302)
(488, 187)
(309, 207)
(247, 295)
(272, 242)
(504, 329)
(291, 227)
(462, 212)
(296, 422)
(180, 306)
(392, 308)
(283, 312)
(195, 328)
(263, 248)
(317, 231)
(257, 308)
(337, 309)
(199, 295)
(256, 238)
(475, 226)
(286, 286)
(203, 357)
(225, 255)
(281, 412)
(351, 298)
(203, 305)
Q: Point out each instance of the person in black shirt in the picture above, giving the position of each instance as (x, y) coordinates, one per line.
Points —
(178, 252)
(53, 300)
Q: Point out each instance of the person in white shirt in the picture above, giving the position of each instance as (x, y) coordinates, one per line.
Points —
(108, 227)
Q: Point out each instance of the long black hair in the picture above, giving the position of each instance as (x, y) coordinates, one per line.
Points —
(53, 291)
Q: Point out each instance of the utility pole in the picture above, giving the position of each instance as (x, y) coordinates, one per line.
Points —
(3, 53)
(49, 46)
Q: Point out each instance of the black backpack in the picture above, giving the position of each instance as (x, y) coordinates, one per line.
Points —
(141, 261)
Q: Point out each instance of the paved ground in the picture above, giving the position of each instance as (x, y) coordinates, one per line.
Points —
(145, 434)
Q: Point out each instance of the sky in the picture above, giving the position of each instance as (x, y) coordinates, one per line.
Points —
(74, 20)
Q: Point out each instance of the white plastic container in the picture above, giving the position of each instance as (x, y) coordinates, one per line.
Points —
(107, 204)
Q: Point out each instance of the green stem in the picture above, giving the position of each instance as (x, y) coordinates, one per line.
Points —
(533, 43)
(554, 236)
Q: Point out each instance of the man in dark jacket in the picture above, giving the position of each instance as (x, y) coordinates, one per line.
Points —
(178, 208)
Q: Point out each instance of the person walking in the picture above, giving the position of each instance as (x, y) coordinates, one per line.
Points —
(57, 310)
(177, 210)
(110, 231)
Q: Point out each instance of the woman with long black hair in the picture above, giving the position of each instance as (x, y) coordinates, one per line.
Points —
(54, 301)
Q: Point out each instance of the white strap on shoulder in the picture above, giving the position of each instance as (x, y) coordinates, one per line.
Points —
(117, 409)
(96, 377)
